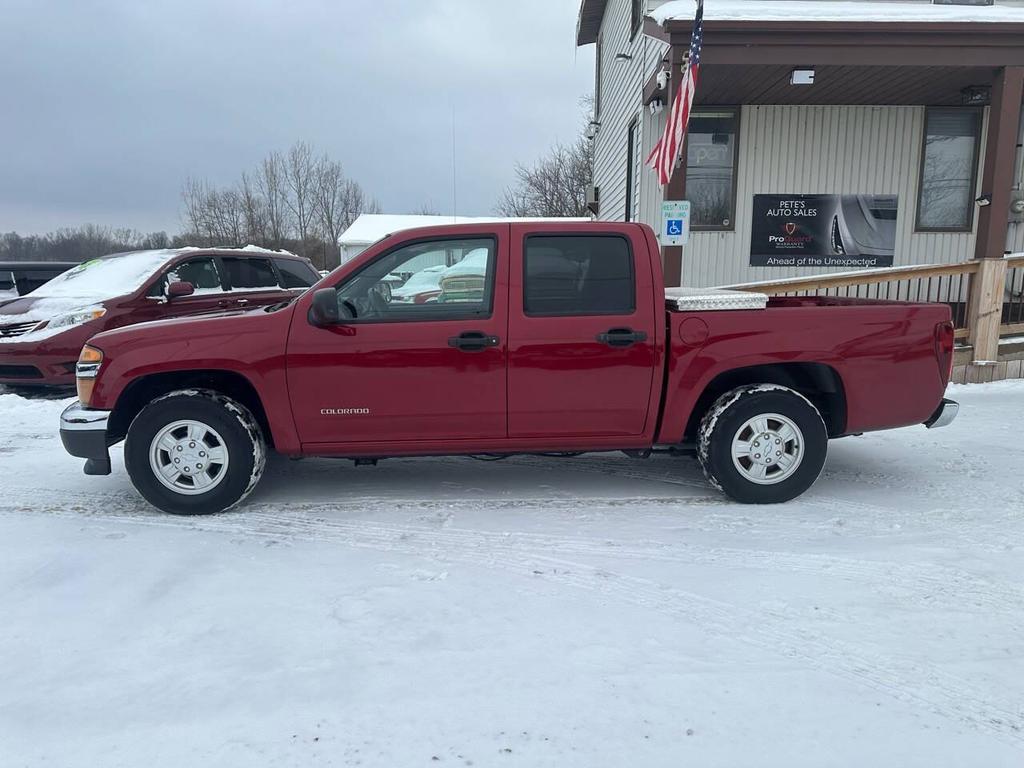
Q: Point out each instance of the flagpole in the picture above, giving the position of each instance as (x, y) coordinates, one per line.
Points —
(672, 256)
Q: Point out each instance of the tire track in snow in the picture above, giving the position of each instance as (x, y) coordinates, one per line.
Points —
(773, 631)
(929, 583)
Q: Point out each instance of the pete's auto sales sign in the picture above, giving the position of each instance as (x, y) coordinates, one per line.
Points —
(823, 231)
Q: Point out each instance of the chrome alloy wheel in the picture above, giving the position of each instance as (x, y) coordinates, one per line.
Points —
(767, 448)
(188, 457)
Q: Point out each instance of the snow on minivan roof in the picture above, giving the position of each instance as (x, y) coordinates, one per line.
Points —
(117, 274)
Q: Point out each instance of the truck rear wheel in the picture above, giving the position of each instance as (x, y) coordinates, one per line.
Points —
(194, 452)
(762, 444)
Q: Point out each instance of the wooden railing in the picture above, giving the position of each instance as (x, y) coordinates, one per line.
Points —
(951, 284)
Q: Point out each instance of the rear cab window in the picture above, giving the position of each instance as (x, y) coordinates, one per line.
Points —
(566, 275)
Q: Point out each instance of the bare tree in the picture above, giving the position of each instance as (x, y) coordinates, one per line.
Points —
(427, 209)
(300, 178)
(556, 185)
(295, 200)
(270, 183)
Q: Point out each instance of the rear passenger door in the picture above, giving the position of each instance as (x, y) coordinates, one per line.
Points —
(582, 346)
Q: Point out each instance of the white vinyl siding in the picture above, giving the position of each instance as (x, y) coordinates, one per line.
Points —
(826, 150)
(622, 85)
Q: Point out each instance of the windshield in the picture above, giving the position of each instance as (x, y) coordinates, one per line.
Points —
(106, 277)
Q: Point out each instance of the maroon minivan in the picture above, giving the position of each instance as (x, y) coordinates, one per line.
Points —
(41, 334)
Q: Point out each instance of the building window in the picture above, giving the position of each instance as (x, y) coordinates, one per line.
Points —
(597, 78)
(949, 164)
(636, 17)
(711, 168)
(631, 170)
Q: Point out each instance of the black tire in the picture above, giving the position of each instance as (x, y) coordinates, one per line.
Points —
(730, 413)
(240, 434)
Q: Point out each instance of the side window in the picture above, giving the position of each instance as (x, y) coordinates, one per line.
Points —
(578, 275)
(296, 274)
(202, 273)
(250, 274)
(949, 163)
(435, 280)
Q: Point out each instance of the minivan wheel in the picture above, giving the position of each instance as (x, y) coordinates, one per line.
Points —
(762, 444)
(194, 452)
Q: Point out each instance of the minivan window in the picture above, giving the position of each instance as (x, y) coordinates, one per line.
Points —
(250, 274)
(296, 274)
(201, 273)
(578, 275)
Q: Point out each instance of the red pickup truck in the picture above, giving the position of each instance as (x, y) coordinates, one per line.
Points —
(549, 337)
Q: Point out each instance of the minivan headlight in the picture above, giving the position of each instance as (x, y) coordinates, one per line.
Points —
(70, 319)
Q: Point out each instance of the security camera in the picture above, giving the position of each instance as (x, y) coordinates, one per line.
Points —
(662, 79)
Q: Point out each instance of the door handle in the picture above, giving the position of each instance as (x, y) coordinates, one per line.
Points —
(621, 337)
(473, 341)
(243, 302)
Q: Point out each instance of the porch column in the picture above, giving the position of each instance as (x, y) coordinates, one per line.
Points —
(672, 256)
(986, 305)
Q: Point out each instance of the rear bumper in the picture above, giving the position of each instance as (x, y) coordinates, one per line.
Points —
(83, 431)
(944, 414)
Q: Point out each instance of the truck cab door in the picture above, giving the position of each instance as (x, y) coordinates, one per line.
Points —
(584, 352)
(402, 369)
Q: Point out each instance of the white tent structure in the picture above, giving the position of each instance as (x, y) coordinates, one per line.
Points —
(371, 227)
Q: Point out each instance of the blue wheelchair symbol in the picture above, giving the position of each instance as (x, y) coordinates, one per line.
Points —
(674, 227)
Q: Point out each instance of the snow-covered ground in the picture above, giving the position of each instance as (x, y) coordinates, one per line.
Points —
(531, 612)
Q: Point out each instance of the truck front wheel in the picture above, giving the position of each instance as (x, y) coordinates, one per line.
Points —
(762, 444)
(194, 452)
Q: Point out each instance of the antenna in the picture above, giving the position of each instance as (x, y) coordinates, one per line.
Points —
(455, 199)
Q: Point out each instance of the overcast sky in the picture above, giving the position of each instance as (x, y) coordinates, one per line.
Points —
(106, 106)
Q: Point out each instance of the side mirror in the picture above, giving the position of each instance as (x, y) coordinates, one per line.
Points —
(179, 289)
(324, 310)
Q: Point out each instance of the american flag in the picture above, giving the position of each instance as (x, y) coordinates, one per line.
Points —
(665, 153)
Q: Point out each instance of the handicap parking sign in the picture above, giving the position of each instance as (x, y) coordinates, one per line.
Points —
(675, 222)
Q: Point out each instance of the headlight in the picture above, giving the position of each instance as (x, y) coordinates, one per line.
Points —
(78, 317)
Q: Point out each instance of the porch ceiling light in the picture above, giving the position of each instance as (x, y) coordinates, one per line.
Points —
(801, 77)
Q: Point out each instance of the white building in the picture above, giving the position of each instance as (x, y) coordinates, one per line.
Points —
(368, 228)
(912, 106)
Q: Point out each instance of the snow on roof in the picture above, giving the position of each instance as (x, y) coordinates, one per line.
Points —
(118, 274)
(371, 227)
(835, 10)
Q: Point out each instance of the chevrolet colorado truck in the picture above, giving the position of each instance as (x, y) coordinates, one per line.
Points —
(546, 337)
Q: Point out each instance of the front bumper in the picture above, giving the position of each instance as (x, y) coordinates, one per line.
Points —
(23, 364)
(84, 434)
(944, 414)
